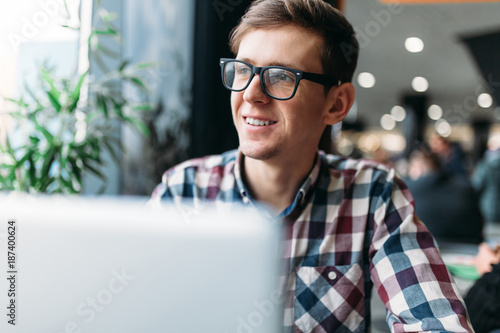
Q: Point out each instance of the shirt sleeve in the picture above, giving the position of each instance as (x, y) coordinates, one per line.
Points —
(162, 195)
(407, 270)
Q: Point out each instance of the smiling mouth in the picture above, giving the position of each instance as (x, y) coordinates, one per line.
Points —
(257, 122)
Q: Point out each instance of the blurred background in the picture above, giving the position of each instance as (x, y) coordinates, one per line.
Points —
(150, 70)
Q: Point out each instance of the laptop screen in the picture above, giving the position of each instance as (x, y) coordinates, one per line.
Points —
(109, 265)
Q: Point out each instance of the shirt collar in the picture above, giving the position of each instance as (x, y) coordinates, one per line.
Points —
(237, 175)
(302, 194)
(305, 191)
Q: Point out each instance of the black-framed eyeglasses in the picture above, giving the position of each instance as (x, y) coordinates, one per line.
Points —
(277, 82)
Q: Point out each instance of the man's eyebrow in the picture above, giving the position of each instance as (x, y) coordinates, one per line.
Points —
(274, 63)
(282, 64)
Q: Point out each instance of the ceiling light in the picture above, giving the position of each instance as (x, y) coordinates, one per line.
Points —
(368, 143)
(398, 113)
(387, 122)
(393, 142)
(414, 44)
(420, 84)
(443, 128)
(435, 112)
(366, 80)
(484, 100)
(345, 146)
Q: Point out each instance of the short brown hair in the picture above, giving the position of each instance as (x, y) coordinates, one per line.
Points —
(314, 15)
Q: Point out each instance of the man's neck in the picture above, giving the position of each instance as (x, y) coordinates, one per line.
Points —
(276, 182)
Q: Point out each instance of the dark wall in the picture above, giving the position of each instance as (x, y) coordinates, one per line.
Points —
(415, 106)
(212, 126)
(485, 49)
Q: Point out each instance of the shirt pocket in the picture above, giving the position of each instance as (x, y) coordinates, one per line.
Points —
(331, 297)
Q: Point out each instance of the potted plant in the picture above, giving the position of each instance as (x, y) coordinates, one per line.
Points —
(56, 138)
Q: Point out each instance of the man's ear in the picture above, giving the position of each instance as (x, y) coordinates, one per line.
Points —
(340, 100)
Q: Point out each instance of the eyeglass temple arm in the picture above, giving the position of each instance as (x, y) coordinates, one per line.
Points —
(321, 78)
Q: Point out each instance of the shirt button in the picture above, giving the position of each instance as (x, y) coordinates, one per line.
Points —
(332, 275)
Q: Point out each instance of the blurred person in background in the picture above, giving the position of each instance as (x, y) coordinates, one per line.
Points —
(486, 181)
(451, 155)
(483, 299)
(445, 202)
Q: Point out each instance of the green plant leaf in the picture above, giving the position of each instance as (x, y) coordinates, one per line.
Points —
(25, 158)
(54, 101)
(144, 65)
(137, 81)
(99, 61)
(117, 142)
(46, 134)
(5, 166)
(93, 170)
(108, 32)
(34, 140)
(117, 108)
(63, 158)
(102, 105)
(107, 51)
(141, 126)
(18, 102)
(142, 107)
(123, 65)
(18, 115)
(70, 27)
(53, 94)
(76, 171)
(111, 151)
(9, 149)
(32, 171)
(101, 190)
(45, 183)
(96, 150)
(87, 156)
(75, 94)
(108, 17)
(33, 96)
(48, 159)
(68, 185)
(91, 115)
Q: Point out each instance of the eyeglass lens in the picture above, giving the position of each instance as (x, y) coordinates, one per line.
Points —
(278, 82)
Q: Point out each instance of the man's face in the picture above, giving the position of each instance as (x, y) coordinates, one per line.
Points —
(295, 125)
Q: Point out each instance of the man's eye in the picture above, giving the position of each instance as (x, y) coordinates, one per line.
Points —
(282, 76)
(243, 71)
(286, 77)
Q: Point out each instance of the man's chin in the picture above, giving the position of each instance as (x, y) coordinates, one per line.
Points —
(262, 154)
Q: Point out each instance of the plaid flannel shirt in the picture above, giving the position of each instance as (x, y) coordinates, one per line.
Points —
(351, 226)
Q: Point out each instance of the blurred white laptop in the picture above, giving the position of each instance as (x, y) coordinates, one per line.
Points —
(102, 265)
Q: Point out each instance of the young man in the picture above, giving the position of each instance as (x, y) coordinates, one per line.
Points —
(348, 225)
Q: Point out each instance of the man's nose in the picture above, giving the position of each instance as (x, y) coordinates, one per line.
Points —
(254, 92)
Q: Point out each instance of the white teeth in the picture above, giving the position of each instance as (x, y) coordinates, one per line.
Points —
(256, 122)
